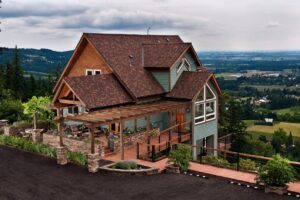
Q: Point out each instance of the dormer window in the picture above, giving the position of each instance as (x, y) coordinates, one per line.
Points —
(184, 64)
(89, 72)
(97, 72)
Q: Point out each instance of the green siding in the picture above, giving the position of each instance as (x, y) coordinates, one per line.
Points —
(174, 75)
(163, 78)
(160, 120)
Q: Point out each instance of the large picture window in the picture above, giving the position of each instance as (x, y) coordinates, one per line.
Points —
(205, 105)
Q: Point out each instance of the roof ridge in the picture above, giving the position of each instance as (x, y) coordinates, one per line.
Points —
(171, 43)
(126, 34)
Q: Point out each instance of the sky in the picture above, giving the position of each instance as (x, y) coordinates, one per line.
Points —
(226, 25)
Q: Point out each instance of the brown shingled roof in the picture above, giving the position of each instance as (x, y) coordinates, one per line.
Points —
(163, 55)
(99, 90)
(189, 84)
(124, 55)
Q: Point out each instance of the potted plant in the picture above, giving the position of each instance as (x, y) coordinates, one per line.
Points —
(179, 159)
(276, 174)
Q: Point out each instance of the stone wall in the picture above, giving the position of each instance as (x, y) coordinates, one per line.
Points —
(140, 137)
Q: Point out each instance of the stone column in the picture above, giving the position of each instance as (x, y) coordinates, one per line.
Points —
(101, 150)
(7, 130)
(37, 135)
(93, 162)
(61, 155)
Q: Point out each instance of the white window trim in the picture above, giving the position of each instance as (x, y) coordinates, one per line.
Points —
(97, 70)
(86, 72)
(183, 61)
(204, 101)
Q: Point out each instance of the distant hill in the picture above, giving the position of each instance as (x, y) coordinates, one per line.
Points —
(37, 60)
(45, 60)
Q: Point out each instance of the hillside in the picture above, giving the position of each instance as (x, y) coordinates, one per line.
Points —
(43, 60)
(38, 60)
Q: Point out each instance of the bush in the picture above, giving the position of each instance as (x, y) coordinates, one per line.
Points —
(26, 145)
(247, 164)
(127, 165)
(219, 162)
(181, 156)
(277, 172)
(77, 158)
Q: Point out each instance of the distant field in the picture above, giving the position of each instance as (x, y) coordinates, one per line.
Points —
(291, 110)
(263, 87)
(268, 130)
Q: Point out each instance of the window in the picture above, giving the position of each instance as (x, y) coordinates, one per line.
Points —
(97, 72)
(89, 72)
(184, 64)
(205, 105)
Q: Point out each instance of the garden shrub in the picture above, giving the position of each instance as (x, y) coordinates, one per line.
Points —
(277, 172)
(127, 165)
(219, 162)
(77, 158)
(26, 145)
(181, 156)
(247, 164)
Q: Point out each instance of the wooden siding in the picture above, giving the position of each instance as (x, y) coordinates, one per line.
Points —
(163, 78)
(88, 58)
(174, 75)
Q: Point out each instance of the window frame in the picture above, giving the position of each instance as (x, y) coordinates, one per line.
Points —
(89, 70)
(97, 70)
(183, 62)
(205, 101)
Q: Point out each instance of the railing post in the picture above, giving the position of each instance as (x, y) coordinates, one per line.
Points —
(238, 162)
(153, 153)
(148, 146)
(159, 142)
(179, 137)
(225, 142)
(137, 150)
(200, 158)
(169, 147)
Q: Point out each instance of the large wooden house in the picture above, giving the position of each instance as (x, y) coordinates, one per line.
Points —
(128, 84)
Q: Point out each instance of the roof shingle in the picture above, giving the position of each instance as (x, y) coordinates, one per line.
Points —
(99, 90)
(189, 84)
(124, 55)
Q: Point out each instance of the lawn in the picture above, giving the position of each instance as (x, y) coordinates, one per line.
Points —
(291, 110)
(268, 130)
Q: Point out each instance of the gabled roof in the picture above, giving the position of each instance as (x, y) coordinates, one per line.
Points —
(190, 83)
(99, 90)
(123, 53)
(163, 55)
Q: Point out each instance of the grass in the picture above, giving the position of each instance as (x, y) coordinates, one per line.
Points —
(271, 87)
(257, 130)
(290, 110)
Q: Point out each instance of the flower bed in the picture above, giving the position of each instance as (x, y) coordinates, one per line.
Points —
(128, 167)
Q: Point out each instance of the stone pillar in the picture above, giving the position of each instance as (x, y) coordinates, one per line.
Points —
(93, 162)
(101, 150)
(37, 135)
(7, 130)
(61, 155)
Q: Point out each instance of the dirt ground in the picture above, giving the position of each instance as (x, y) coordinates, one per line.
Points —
(26, 176)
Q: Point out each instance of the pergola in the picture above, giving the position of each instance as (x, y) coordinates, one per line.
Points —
(119, 115)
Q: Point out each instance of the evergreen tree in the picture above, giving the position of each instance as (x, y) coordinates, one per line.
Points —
(18, 79)
(290, 140)
(32, 87)
(8, 74)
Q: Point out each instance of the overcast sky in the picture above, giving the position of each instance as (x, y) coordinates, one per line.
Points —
(208, 24)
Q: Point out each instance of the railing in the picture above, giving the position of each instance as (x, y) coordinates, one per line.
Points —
(224, 142)
(156, 152)
(234, 160)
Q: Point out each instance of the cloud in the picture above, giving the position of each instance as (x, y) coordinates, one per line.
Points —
(273, 24)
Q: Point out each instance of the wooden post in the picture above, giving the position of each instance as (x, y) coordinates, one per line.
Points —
(135, 125)
(170, 123)
(121, 139)
(60, 128)
(137, 151)
(92, 138)
(148, 123)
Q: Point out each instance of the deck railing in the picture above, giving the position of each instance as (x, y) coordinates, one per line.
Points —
(234, 160)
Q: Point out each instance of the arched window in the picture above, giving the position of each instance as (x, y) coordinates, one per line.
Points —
(205, 105)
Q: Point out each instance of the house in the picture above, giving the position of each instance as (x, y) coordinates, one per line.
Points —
(138, 83)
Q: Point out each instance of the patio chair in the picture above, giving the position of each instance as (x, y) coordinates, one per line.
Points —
(75, 131)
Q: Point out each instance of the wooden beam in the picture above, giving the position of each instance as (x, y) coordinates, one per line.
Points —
(122, 139)
(67, 101)
(92, 138)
